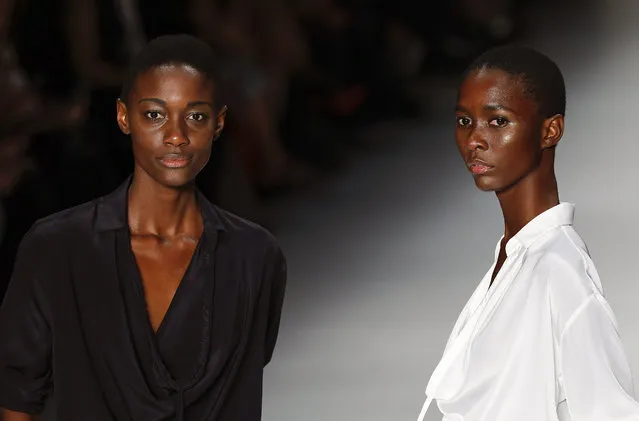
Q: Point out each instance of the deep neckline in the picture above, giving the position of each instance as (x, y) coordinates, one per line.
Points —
(179, 292)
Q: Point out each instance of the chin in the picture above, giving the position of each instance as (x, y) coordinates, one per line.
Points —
(178, 181)
(484, 183)
(175, 179)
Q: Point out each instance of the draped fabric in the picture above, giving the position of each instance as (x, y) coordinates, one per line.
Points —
(74, 319)
(541, 343)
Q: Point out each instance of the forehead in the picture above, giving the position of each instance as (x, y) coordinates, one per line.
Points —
(492, 87)
(173, 82)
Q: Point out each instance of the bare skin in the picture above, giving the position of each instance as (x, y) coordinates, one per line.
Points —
(165, 228)
(170, 111)
(6, 415)
(509, 148)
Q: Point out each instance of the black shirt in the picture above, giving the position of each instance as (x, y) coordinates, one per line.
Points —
(74, 319)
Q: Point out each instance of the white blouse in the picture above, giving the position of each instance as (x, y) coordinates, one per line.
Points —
(541, 344)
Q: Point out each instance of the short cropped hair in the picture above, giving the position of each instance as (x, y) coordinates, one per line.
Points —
(177, 49)
(543, 81)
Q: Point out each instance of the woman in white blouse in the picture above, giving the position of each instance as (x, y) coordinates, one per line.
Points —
(537, 340)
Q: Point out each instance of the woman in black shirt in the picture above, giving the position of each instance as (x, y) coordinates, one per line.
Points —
(150, 303)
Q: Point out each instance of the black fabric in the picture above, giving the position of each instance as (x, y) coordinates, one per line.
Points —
(74, 319)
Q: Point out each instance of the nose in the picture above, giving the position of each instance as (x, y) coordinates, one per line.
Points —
(476, 141)
(176, 134)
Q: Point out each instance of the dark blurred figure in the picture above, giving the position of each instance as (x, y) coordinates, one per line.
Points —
(67, 50)
(259, 48)
(457, 30)
(29, 113)
(363, 54)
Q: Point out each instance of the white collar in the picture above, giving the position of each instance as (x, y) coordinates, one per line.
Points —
(559, 215)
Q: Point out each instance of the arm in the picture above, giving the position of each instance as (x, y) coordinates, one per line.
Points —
(278, 277)
(25, 337)
(595, 371)
(6, 415)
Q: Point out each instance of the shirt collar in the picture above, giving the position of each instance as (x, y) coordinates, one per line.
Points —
(559, 215)
(111, 210)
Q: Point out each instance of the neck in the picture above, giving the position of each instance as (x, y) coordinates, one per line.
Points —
(155, 209)
(524, 201)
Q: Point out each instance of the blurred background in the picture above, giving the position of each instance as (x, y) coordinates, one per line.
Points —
(340, 141)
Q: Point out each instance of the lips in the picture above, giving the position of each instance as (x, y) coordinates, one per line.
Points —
(478, 167)
(175, 161)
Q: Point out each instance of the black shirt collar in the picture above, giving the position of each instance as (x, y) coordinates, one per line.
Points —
(111, 211)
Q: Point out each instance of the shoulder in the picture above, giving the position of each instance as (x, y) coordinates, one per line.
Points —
(43, 245)
(59, 225)
(249, 236)
(564, 259)
(570, 273)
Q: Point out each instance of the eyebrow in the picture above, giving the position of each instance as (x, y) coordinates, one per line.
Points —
(487, 107)
(196, 103)
(154, 100)
(498, 107)
(163, 103)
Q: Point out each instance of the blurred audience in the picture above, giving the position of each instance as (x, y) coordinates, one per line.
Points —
(300, 78)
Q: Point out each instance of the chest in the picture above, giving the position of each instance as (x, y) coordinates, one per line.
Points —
(511, 347)
(205, 339)
(162, 266)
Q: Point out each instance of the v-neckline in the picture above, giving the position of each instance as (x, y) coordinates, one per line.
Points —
(157, 342)
(139, 282)
(174, 359)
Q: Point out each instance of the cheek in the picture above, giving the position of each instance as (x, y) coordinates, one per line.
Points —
(201, 138)
(202, 146)
(518, 154)
(461, 139)
(508, 138)
(514, 141)
(145, 134)
(203, 152)
(145, 144)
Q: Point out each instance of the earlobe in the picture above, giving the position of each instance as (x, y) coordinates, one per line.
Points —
(554, 130)
(123, 117)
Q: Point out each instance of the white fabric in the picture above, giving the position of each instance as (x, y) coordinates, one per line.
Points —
(541, 344)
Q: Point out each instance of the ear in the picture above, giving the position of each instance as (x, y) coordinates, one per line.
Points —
(553, 130)
(123, 117)
(220, 119)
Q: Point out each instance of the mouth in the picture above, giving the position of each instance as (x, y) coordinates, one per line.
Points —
(175, 161)
(478, 167)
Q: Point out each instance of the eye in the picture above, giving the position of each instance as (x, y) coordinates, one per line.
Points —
(198, 117)
(463, 121)
(499, 122)
(153, 115)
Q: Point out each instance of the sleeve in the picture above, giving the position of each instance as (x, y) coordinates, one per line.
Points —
(596, 374)
(277, 277)
(25, 335)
